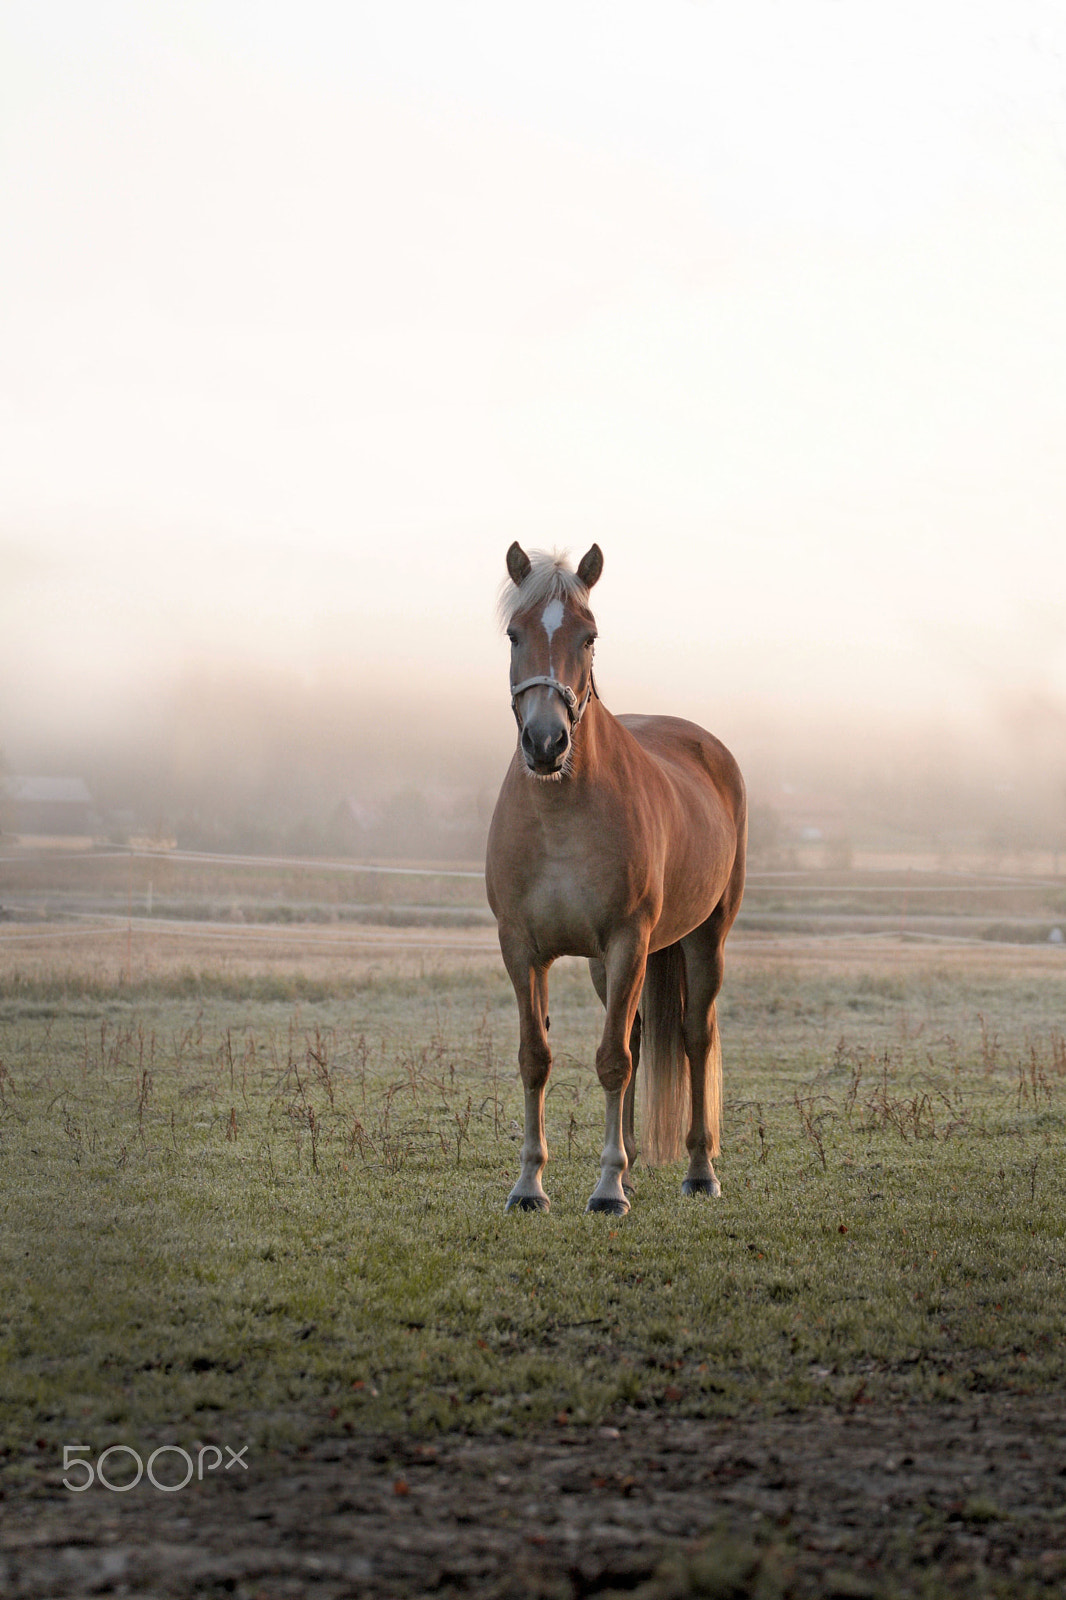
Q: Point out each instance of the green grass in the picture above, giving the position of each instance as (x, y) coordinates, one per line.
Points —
(222, 1213)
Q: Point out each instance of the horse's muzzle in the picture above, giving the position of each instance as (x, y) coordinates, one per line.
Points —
(545, 748)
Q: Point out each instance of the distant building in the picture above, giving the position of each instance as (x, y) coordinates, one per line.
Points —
(42, 810)
(815, 825)
(811, 818)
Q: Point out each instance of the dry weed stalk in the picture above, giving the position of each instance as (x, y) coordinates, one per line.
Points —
(811, 1120)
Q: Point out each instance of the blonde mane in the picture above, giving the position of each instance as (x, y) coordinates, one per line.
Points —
(550, 578)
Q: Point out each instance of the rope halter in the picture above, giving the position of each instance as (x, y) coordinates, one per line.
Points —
(574, 711)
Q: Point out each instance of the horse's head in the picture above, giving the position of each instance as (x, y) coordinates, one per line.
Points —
(552, 632)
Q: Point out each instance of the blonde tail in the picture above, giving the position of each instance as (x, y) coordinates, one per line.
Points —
(663, 1080)
(713, 1092)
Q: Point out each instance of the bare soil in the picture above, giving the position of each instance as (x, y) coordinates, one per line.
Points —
(916, 1499)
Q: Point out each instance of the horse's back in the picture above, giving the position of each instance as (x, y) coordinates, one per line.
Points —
(702, 823)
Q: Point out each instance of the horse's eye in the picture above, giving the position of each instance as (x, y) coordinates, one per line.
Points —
(512, 636)
(590, 641)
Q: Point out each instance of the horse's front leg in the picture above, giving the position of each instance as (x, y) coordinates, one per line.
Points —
(530, 979)
(625, 963)
(598, 974)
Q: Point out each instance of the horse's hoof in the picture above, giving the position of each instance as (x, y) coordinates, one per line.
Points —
(613, 1208)
(708, 1186)
(527, 1202)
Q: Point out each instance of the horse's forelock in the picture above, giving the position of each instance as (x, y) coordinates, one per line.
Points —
(550, 577)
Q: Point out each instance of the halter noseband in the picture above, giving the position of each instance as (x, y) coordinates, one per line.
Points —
(574, 711)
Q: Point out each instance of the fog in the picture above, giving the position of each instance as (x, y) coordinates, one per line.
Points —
(304, 318)
(254, 762)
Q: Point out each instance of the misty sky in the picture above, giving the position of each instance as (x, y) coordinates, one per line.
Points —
(307, 311)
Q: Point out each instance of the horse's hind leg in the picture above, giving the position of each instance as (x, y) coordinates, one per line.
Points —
(629, 1137)
(703, 979)
(598, 974)
(530, 980)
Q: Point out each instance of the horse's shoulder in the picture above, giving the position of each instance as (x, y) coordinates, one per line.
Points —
(675, 739)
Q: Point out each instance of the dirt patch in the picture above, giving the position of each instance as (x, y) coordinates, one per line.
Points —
(954, 1499)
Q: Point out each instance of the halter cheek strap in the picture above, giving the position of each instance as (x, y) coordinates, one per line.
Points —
(574, 711)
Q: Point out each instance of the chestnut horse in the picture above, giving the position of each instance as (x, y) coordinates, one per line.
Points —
(621, 839)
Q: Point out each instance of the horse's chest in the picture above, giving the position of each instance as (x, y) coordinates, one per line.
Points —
(564, 906)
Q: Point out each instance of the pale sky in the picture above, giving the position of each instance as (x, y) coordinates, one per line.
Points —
(307, 311)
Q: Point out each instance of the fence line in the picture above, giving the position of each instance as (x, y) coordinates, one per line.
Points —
(784, 881)
(205, 858)
(119, 927)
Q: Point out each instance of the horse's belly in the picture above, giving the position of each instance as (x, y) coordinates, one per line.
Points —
(691, 894)
(675, 922)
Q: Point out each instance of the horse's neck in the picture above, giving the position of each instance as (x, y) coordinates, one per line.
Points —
(598, 737)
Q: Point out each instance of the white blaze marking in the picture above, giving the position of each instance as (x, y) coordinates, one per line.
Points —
(552, 617)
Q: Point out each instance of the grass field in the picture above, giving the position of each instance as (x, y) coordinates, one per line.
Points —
(260, 1193)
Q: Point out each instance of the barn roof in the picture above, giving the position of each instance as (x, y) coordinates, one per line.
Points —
(69, 791)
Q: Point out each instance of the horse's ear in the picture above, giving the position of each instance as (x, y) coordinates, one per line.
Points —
(590, 566)
(518, 564)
